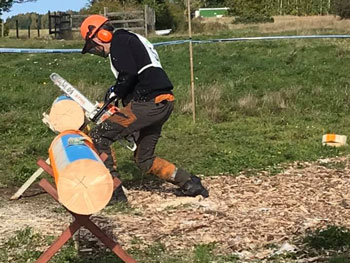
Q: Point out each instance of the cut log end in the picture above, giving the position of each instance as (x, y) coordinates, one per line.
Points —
(66, 115)
(85, 187)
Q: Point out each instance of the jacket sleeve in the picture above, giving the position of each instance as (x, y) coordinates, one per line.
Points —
(125, 84)
(123, 61)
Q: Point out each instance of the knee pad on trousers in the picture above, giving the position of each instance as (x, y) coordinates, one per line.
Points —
(163, 169)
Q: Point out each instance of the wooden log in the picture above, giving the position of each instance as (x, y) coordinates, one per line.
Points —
(66, 114)
(84, 184)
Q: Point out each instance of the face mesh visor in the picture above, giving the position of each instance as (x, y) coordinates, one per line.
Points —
(89, 45)
(93, 48)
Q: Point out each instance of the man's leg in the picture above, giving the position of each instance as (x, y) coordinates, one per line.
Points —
(103, 136)
(189, 185)
(132, 118)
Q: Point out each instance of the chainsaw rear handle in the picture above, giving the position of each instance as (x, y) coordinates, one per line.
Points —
(103, 109)
(129, 141)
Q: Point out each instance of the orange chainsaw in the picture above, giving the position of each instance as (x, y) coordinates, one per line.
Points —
(97, 112)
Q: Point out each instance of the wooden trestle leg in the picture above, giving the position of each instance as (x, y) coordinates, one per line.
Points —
(80, 220)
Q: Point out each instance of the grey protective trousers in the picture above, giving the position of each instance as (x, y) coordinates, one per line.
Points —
(146, 119)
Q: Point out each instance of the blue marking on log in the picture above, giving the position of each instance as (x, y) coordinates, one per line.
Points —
(77, 152)
(62, 97)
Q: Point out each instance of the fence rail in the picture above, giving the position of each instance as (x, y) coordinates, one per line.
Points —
(124, 13)
(140, 21)
(127, 21)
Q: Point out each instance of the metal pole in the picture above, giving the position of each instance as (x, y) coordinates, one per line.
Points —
(191, 61)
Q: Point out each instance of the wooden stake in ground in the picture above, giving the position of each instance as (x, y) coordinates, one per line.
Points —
(2, 27)
(66, 114)
(29, 182)
(191, 60)
(84, 184)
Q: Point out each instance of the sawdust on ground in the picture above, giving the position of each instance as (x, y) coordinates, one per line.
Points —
(244, 214)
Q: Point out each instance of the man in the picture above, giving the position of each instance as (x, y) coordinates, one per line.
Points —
(145, 91)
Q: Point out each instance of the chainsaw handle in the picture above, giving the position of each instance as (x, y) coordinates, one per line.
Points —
(103, 109)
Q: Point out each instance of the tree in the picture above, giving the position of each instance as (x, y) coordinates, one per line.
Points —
(5, 5)
(342, 8)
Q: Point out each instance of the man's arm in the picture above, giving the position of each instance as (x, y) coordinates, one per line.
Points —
(124, 84)
(123, 62)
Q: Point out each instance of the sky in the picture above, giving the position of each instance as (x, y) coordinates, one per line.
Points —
(43, 6)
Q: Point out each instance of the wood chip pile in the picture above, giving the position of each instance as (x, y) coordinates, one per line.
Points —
(243, 215)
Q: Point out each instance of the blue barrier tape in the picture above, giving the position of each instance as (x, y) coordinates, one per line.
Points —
(268, 38)
(32, 50)
(169, 43)
(176, 42)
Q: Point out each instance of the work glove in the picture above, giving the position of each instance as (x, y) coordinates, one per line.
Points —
(111, 92)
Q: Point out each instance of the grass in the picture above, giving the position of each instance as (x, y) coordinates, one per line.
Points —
(331, 244)
(333, 237)
(23, 33)
(19, 248)
(259, 104)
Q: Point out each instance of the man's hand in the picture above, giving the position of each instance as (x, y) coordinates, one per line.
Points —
(111, 92)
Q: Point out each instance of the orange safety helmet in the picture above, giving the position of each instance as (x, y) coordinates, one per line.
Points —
(91, 27)
(91, 24)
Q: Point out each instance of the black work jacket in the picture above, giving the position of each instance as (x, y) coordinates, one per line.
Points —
(136, 66)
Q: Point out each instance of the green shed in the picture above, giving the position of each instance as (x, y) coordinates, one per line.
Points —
(212, 12)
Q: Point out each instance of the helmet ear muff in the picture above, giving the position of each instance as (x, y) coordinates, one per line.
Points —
(104, 35)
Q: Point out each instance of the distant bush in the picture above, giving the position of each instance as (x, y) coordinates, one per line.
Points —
(253, 19)
(170, 15)
(6, 29)
(342, 8)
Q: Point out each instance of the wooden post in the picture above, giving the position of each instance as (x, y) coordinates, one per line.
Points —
(191, 61)
(55, 21)
(17, 34)
(105, 11)
(281, 7)
(146, 20)
(28, 31)
(49, 15)
(2, 28)
(38, 24)
(71, 21)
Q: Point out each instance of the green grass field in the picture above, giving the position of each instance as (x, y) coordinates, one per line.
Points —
(259, 105)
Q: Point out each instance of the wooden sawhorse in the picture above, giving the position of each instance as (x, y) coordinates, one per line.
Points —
(80, 220)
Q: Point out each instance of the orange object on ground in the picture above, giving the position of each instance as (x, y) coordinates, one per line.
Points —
(334, 140)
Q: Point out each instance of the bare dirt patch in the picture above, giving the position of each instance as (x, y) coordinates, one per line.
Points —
(244, 214)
